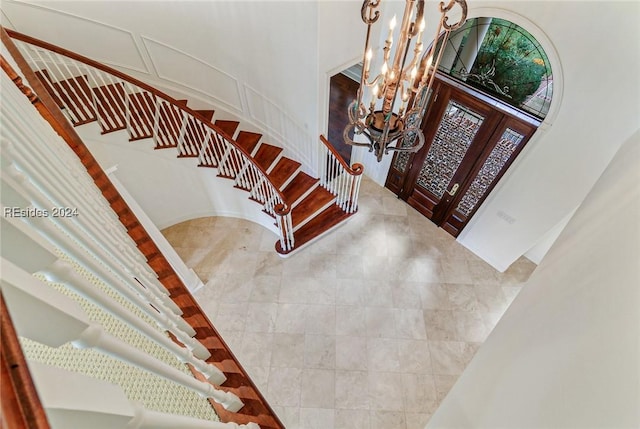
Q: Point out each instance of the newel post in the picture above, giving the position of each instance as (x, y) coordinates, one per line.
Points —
(283, 217)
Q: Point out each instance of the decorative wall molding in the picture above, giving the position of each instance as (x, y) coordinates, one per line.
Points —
(215, 83)
(117, 36)
(293, 135)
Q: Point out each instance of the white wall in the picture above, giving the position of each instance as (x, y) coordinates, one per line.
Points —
(566, 353)
(267, 62)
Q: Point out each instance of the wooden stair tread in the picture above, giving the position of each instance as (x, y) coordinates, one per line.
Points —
(229, 127)
(248, 140)
(207, 114)
(299, 186)
(283, 171)
(316, 201)
(323, 222)
(266, 155)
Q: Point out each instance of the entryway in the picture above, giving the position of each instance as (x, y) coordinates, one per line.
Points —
(470, 143)
(493, 90)
(343, 89)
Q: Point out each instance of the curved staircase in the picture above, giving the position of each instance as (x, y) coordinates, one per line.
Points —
(303, 207)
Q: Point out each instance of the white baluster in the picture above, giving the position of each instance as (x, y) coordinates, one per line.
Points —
(83, 230)
(45, 315)
(86, 402)
(62, 272)
(126, 286)
(156, 120)
(129, 256)
(28, 52)
(167, 319)
(154, 420)
(182, 133)
(224, 160)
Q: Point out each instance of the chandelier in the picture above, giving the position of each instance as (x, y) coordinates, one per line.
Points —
(400, 91)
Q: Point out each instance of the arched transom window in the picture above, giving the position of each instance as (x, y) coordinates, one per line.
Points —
(502, 59)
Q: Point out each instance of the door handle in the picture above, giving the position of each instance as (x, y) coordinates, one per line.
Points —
(454, 189)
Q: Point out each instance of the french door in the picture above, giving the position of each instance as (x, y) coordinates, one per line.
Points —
(470, 141)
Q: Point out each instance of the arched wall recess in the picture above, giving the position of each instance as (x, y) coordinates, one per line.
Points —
(473, 155)
(554, 108)
(558, 88)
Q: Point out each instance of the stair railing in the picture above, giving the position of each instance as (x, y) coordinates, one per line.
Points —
(87, 91)
(43, 127)
(68, 215)
(339, 178)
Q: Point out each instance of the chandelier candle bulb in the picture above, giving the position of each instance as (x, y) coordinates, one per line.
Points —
(427, 66)
(374, 95)
(367, 62)
(414, 73)
(392, 26)
(420, 31)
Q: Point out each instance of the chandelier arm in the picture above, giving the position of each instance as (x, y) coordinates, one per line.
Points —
(370, 5)
(419, 17)
(434, 67)
(428, 57)
(349, 141)
(397, 85)
(368, 18)
(444, 9)
(356, 111)
(414, 148)
(401, 50)
(374, 81)
(398, 67)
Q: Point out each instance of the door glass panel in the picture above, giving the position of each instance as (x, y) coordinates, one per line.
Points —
(507, 144)
(455, 133)
(413, 120)
(402, 160)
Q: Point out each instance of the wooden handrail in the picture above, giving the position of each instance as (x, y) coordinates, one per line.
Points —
(21, 406)
(88, 61)
(357, 168)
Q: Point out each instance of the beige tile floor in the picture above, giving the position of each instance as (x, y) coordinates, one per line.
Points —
(368, 328)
